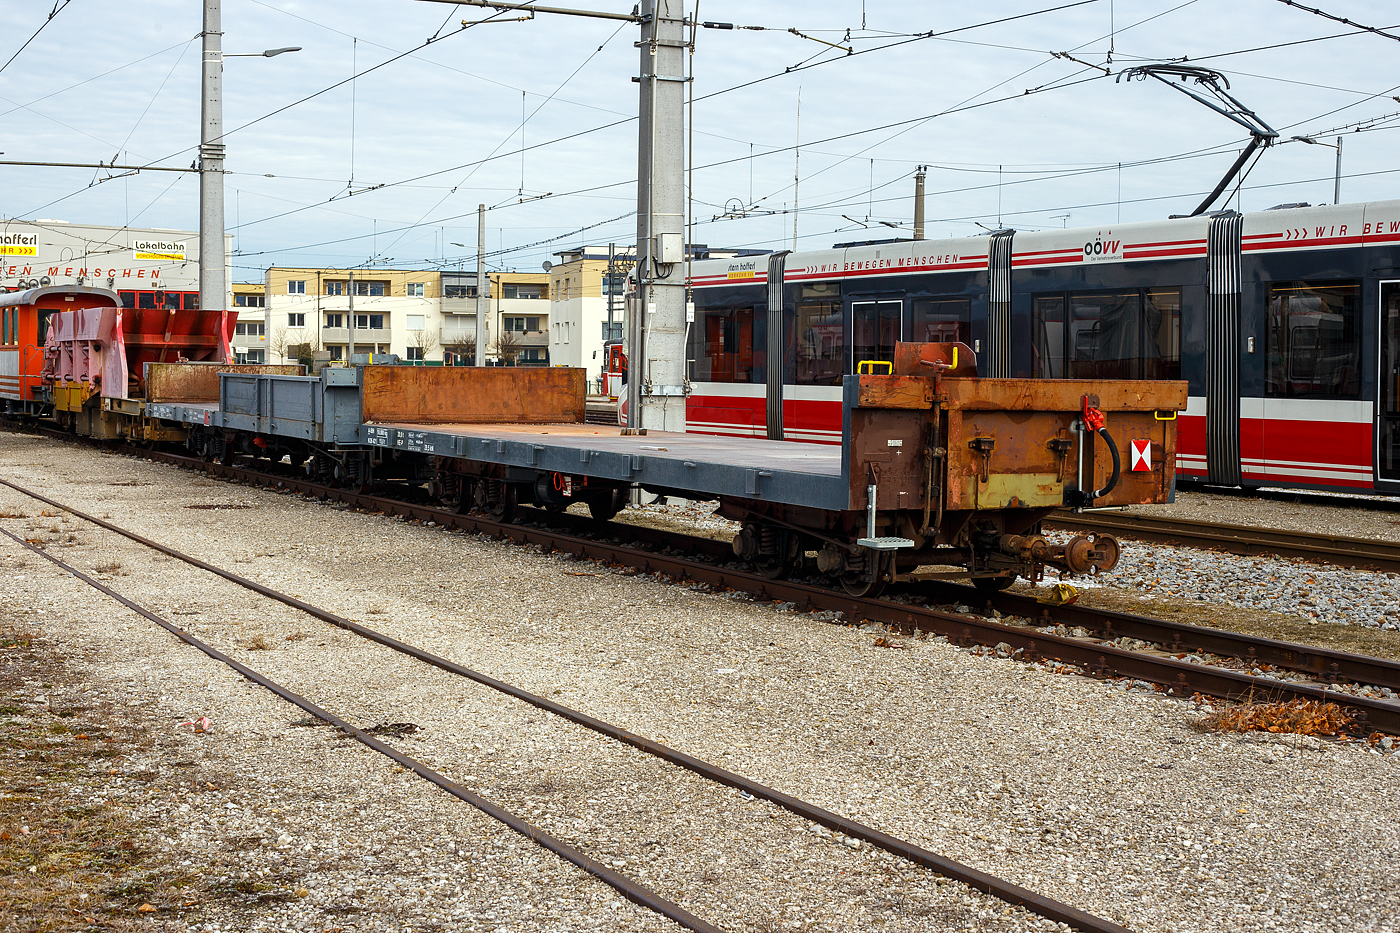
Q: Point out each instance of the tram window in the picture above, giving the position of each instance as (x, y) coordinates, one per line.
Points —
(44, 317)
(1104, 333)
(1313, 340)
(820, 342)
(726, 352)
(875, 329)
(1108, 335)
(1161, 334)
(1048, 315)
(146, 300)
(128, 299)
(942, 320)
(191, 301)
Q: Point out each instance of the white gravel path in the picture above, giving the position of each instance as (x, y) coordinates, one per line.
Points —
(1101, 797)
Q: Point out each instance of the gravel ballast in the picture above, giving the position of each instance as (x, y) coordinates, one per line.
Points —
(1102, 797)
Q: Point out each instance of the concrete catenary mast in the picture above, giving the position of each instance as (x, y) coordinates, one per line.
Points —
(656, 326)
(212, 287)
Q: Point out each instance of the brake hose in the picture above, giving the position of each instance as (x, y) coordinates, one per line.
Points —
(1094, 420)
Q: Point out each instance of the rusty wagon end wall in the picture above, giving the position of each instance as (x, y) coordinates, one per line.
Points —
(199, 382)
(473, 394)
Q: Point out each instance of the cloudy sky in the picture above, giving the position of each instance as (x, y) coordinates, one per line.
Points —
(1017, 120)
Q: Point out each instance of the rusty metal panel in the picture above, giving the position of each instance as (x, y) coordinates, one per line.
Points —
(473, 394)
(922, 359)
(199, 382)
(896, 392)
(997, 456)
(1063, 394)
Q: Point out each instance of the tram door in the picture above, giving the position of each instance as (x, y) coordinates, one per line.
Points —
(876, 326)
(1388, 394)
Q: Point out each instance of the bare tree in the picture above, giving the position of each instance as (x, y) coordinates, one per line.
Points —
(508, 347)
(424, 340)
(279, 343)
(463, 349)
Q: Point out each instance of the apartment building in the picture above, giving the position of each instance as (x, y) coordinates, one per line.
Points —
(582, 293)
(421, 316)
(517, 315)
(250, 332)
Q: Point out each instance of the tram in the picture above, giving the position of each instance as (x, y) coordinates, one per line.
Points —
(1285, 324)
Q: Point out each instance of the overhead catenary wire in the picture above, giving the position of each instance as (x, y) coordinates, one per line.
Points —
(1340, 19)
(58, 7)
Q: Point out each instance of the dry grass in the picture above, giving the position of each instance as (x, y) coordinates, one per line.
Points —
(258, 643)
(10, 513)
(68, 861)
(111, 567)
(1295, 717)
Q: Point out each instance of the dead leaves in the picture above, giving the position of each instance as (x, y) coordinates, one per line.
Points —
(1300, 717)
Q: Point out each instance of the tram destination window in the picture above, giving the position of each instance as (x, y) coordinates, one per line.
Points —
(819, 336)
(1125, 334)
(1313, 340)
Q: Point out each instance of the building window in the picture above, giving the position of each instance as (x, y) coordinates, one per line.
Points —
(1314, 340)
(296, 320)
(522, 291)
(335, 288)
(249, 329)
(369, 321)
(416, 290)
(372, 289)
(523, 324)
(248, 301)
(257, 357)
(335, 320)
(459, 291)
(414, 355)
(296, 286)
(337, 353)
(612, 331)
(533, 355)
(414, 321)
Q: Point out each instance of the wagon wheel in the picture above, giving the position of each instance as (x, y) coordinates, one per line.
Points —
(861, 584)
(603, 507)
(994, 584)
(503, 508)
(778, 565)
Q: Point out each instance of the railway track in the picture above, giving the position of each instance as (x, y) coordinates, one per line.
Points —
(997, 887)
(1361, 553)
(674, 555)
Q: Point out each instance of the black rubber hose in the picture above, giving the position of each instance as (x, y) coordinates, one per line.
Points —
(1117, 465)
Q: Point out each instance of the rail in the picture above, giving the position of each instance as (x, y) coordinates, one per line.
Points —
(1177, 677)
(1007, 891)
(1361, 553)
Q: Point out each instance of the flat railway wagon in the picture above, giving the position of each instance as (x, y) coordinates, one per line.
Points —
(1284, 323)
(936, 467)
(82, 357)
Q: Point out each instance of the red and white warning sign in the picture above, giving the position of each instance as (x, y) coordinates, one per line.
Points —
(1141, 458)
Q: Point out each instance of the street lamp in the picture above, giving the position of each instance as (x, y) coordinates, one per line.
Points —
(267, 54)
(212, 282)
(1337, 186)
